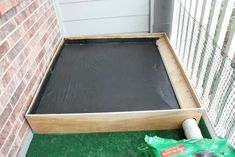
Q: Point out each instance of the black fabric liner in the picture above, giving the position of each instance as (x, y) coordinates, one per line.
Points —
(106, 75)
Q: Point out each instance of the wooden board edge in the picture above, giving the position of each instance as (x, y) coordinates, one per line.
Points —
(118, 36)
(196, 112)
(59, 45)
(180, 87)
(194, 95)
(169, 119)
(120, 112)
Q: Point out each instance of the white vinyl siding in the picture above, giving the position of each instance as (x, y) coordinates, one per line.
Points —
(97, 17)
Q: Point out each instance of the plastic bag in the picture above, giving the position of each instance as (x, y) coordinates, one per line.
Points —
(161, 147)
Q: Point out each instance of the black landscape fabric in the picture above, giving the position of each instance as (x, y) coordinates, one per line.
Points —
(106, 76)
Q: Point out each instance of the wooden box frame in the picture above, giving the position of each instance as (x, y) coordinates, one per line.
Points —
(130, 120)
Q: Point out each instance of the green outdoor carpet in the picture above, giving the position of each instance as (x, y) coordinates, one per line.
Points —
(116, 144)
(119, 144)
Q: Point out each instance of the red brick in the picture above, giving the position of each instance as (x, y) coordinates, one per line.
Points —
(16, 112)
(4, 48)
(23, 69)
(30, 85)
(55, 41)
(23, 112)
(19, 63)
(15, 147)
(14, 37)
(4, 133)
(6, 79)
(17, 93)
(19, 60)
(30, 9)
(44, 38)
(28, 24)
(6, 29)
(26, 12)
(6, 147)
(14, 2)
(33, 6)
(27, 50)
(27, 104)
(40, 22)
(5, 97)
(4, 6)
(20, 17)
(39, 25)
(40, 55)
(13, 11)
(8, 76)
(30, 72)
(16, 50)
(23, 129)
(28, 35)
(4, 64)
(24, 109)
(5, 114)
(41, 65)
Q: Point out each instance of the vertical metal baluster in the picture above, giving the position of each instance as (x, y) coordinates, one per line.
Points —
(198, 37)
(185, 41)
(190, 46)
(182, 28)
(177, 35)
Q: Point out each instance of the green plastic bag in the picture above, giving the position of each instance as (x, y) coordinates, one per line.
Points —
(161, 147)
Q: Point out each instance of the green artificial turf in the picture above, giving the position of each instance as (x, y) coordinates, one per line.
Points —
(115, 144)
(203, 128)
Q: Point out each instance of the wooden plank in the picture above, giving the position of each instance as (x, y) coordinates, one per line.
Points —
(113, 121)
(183, 89)
(119, 36)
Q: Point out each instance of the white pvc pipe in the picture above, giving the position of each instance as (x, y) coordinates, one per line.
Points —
(191, 129)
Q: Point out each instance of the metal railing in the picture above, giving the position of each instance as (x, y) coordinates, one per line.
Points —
(203, 34)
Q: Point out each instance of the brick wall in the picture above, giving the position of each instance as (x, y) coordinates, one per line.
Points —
(29, 35)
